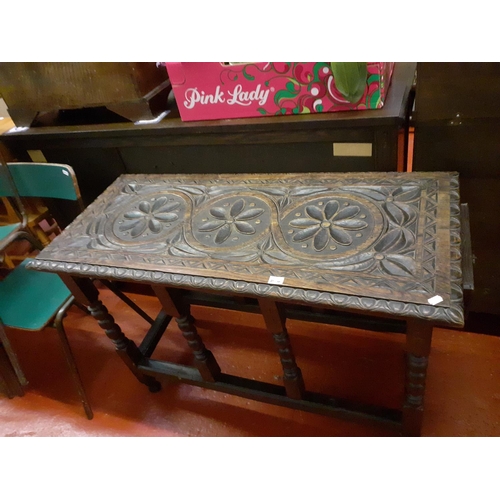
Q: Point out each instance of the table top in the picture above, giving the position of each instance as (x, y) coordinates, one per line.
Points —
(379, 242)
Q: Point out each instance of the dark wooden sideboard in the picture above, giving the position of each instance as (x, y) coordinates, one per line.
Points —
(457, 128)
(304, 143)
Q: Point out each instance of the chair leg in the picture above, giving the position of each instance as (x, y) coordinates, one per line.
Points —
(4, 387)
(9, 383)
(70, 360)
(12, 356)
(26, 235)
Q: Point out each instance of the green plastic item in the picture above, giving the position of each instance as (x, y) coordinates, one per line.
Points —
(41, 180)
(5, 186)
(30, 299)
(350, 79)
(44, 180)
(8, 229)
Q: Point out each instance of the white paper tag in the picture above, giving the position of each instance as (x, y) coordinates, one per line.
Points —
(435, 300)
(276, 280)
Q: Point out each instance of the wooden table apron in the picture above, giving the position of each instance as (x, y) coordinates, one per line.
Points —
(374, 243)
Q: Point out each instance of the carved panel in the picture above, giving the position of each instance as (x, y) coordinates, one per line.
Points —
(387, 236)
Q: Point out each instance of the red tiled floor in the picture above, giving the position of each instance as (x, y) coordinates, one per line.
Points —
(462, 398)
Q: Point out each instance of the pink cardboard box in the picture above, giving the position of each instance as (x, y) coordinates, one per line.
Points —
(212, 90)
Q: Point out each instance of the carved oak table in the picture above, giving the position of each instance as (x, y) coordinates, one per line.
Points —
(384, 244)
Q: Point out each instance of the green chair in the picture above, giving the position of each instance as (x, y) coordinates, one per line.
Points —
(31, 300)
(11, 232)
(51, 180)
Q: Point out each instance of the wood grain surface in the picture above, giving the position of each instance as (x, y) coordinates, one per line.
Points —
(383, 236)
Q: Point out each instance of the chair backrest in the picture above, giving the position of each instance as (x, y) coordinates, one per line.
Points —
(6, 189)
(44, 180)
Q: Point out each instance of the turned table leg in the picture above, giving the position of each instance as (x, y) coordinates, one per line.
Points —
(276, 325)
(204, 360)
(87, 294)
(418, 346)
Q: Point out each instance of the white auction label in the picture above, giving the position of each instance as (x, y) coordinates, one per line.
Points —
(276, 280)
(435, 300)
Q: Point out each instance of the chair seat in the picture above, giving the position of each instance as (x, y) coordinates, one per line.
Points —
(7, 229)
(30, 299)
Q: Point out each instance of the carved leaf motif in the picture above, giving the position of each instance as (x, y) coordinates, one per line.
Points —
(167, 217)
(211, 225)
(284, 202)
(102, 242)
(237, 256)
(360, 262)
(409, 239)
(250, 213)
(321, 240)
(398, 265)
(192, 190)
(97, 228)
(94, 245)
(167, 208)
(184, 250)
(394, 213)
(303, 222)
(273, 191)
(200, 199)
(216, 190)
(129, 224)
(244, 227)
(306, 233)
(399, 213)
(389, 239)
(304, 191)
(159, 202)
(314, 212)
(135, 214)
(278, 257)
(218, 213)
(154, 226)
(130, 189)
(237, 207)
(265, 245)
(351, 224)
(377, 194)
(346, 213)
(78, 242)
(407, 194)
(111, 206)
(331, 208)
(223, 234)
(145, 207)
(176, 238)
(140, 227)
(340, 236)
(395, 240)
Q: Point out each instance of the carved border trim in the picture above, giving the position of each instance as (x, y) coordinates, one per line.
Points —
(447, 315)
(456, 292)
